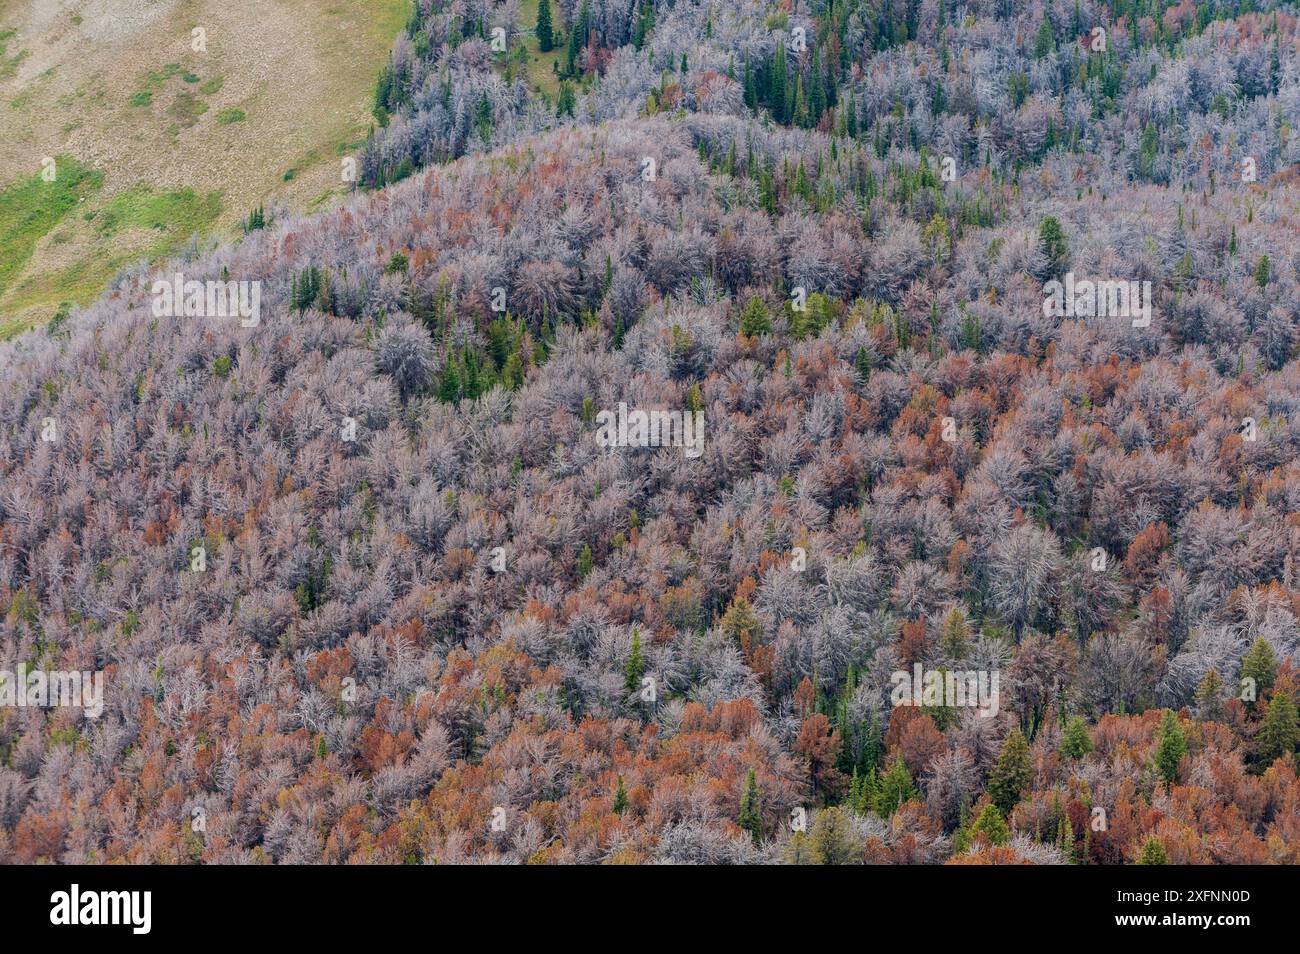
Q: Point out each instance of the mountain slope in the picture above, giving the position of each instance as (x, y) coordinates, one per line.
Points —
(183, 141)
(369, 583)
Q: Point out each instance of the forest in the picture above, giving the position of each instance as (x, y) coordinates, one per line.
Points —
(367, 585)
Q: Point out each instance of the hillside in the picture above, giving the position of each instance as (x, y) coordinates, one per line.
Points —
(155, 141)
(369, 583)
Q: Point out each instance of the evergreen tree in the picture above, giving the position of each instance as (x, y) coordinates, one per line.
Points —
(567, 101)
(620, 797)
(777, 84)
(894, 789)
(1065, 838)
(751, 809)
(1051, 239)
(755, 320)
(1209, 696)
(578, 38)
(1012, 773)
(1075, 741)
(953, 632)
(634, 668)
(644, 24)
(584, 561)
(449, 388)
(512, 375)
(1045, 42)
(740, 622)
(816, 88)
(1148, 150)
(1262, 271)
(1280, 731)
(1171, 748)
(863, 364)
(992, 826)
(545, 36)
(1153, 852)
(833, 839)
(695, 398)
(1260, 665)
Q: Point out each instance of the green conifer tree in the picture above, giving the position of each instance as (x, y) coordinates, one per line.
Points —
(1012, 773)
(754, 319)
(545, 34)
(1260, 665)
(1262, 271)
(1065, 838)
(1279, 731)
(1075, 741)
(1209, 696)
(634, 668)
(1051, 239)
(894, 789)
(992, 826)
(1153, 852)
(1171, 748)
(751, 809)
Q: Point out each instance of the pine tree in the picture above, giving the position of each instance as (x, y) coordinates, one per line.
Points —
(1012, 773)
(1262, 271)
(634, 668)
(512, 375)
(1153, 852)
(578, 38)
(585, 561)
(695, 398)
(751, 809)
(449, 389)
(1260, 664)
(1172, 747)
(545, 36)
(567, 101)
(1209, 696)
(1148, 150)
(863, 364)
(894, 789)
(740, 622)
(1051, 239)
(992, 826)
(816, 88)
(469, 360)
(644, 24)
(1065, 838)
(755, 320)
(1280, 731)
(777, 84)
(953, 632)
(1075, 741)
(1045, 42)
(620, 797)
